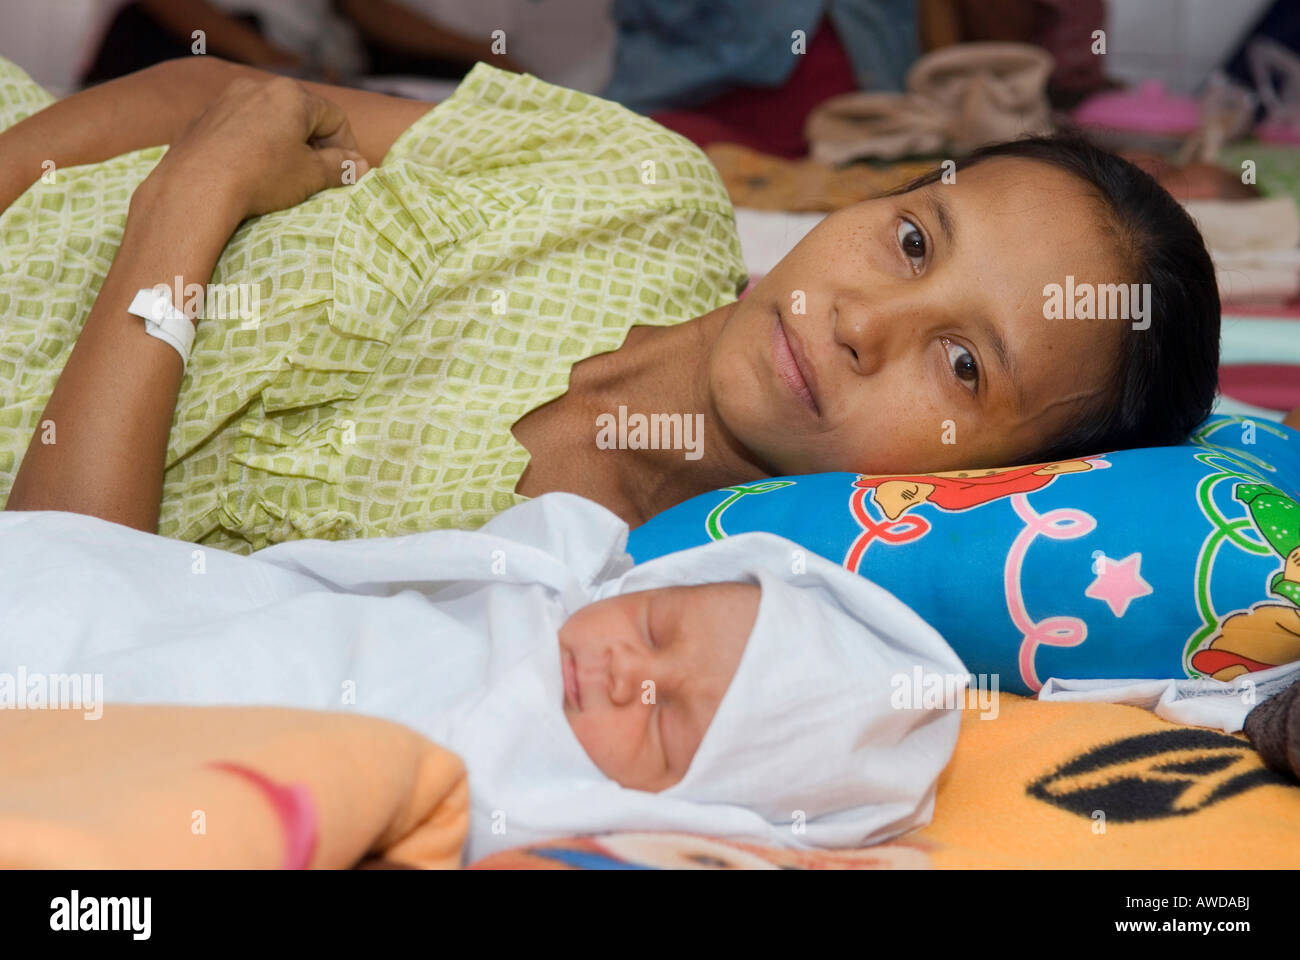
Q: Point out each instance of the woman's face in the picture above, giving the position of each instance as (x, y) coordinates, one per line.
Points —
(921, 344)
(644, 674)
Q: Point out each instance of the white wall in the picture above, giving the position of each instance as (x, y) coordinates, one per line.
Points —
(1175, 41)
(51, 39)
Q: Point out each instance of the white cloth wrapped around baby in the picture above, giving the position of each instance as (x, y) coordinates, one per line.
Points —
(456, 634)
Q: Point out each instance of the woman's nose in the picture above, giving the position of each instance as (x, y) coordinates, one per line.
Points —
(873, 332)
(864, 333)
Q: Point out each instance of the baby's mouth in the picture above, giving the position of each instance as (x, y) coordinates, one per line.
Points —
(569, 668)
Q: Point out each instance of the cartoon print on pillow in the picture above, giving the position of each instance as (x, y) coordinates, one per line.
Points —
(1194, 569)
(1269, 633)
(1277, 518)
(1249, 641)
(955, 491)
(964, 489)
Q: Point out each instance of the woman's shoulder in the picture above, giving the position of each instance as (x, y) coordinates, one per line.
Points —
(503, 125)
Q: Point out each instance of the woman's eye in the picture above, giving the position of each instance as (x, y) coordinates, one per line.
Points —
(963, 364)
(912, 242)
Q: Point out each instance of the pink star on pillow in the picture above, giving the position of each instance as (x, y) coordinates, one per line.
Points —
(1119, 582)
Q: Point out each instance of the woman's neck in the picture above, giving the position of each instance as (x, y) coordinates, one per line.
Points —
(651, 397)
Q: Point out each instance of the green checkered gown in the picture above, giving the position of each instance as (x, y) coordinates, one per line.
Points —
(404, 323)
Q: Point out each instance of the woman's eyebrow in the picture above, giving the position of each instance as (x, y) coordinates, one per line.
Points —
(943, 214)
(1006, 359)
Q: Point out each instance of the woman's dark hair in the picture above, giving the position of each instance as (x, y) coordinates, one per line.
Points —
(1164, 382)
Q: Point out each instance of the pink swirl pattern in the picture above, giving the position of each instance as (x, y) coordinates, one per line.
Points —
(1061, 524)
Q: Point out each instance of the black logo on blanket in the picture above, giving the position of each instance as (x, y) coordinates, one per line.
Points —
(1170, 773)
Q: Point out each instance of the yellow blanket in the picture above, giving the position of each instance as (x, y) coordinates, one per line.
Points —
(1043, 785)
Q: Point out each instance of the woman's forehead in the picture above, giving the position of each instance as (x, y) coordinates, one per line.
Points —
(1005, 193)
(1022, 226)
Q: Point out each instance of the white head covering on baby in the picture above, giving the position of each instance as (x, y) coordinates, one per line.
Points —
(805, 749)
(454, 634)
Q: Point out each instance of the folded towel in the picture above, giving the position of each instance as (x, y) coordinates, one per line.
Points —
(958, 98)
(1263, 223)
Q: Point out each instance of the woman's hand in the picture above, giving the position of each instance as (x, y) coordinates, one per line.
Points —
(263, 145)
(246, 147)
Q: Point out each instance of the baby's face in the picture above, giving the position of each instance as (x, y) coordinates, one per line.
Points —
(644, 674)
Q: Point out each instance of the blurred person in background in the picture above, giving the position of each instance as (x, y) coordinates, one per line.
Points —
(333, 39)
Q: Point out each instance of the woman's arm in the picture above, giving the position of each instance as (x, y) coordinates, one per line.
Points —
(261, 147)
(155, 106)
(111, 410)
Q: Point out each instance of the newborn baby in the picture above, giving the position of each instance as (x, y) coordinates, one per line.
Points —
(644, 674)
(739, 689)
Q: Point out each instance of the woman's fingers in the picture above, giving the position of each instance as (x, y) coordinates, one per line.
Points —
(329, 124)
(337, 157)
(270, 144)
(338, 167)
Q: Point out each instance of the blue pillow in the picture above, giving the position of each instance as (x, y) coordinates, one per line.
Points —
(1153, 563)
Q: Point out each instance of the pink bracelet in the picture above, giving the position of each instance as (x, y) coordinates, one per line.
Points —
(293, 805)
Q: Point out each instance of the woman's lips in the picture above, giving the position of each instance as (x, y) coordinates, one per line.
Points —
(789, 368)
(569, 667)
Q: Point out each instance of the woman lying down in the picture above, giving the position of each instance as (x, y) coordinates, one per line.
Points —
(712, 691)
(443, 332)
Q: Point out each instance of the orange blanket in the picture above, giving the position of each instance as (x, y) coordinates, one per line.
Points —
(1043, 785)
(764, 182)
(136, 788)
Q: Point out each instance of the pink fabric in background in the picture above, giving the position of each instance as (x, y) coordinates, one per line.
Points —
(1272, 385)
(1291, 309)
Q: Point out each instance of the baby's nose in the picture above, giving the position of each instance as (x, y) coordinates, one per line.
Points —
(631, 677)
